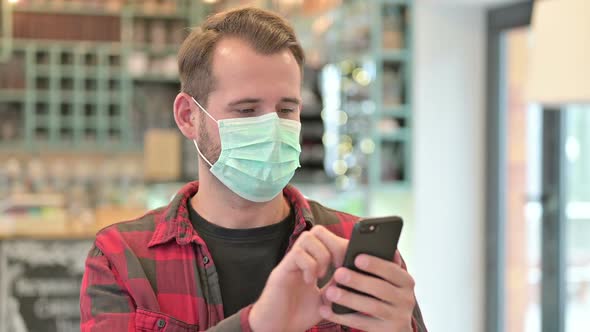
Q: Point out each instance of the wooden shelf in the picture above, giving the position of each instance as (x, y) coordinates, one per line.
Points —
(70, 10)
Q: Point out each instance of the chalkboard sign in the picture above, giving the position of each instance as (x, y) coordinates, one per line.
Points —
(40, 284)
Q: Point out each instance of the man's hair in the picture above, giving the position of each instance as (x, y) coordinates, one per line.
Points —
(264, 31)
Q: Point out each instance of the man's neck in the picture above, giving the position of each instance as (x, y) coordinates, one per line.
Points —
(219, 205)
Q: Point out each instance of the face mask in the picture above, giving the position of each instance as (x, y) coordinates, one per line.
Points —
(259, 155)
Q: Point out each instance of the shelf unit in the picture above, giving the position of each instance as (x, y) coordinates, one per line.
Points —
(92, 95)
(371, 43)
(75, 96)
(312, 131)
(72, 86)
(96, 95)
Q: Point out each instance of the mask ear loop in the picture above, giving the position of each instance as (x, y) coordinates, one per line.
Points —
(203, 109)
(200, 154)
(194, 140)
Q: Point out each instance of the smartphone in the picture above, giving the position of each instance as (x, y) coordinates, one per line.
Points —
(376, 237)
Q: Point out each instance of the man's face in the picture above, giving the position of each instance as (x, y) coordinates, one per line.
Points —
(248, 84)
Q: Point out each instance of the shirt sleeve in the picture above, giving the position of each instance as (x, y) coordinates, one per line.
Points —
(238, 322)
(104, 303)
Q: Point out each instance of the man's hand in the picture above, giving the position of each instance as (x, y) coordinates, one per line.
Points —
(390, 310)
(291, 299)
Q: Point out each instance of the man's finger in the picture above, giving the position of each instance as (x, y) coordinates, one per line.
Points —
(397, 259)
(355, 321)
(335, 244)
(305, 263)
(361, 303)
(376, 287)
(389, 271)
(314, 247)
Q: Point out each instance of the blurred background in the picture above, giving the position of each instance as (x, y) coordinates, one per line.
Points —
(468, 118)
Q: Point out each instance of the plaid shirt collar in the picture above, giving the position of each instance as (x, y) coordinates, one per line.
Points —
(173, 222)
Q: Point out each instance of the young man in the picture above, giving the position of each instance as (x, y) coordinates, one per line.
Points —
(240, 250)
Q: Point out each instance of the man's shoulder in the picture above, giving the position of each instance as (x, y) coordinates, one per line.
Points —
(134, 233)
(339, 222)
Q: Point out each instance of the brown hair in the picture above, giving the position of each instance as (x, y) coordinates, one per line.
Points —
(265, 31)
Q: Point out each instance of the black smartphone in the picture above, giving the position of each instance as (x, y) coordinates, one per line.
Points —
(376, 237)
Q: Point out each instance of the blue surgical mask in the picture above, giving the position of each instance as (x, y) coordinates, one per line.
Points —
(259, 155)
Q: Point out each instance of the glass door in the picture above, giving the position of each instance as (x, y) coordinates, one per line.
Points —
(522, 189)
(538, 194)
(577, 210)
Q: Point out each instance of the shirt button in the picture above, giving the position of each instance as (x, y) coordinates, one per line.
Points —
(161, 323)
(205, 260)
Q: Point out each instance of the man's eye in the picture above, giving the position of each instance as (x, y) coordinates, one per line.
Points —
(287, 110)
(246, 111)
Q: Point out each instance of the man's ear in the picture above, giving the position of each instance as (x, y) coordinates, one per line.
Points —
(185, 116)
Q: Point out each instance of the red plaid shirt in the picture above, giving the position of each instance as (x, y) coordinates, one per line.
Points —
(156, 274)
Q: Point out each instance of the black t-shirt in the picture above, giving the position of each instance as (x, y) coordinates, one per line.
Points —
(243, 258)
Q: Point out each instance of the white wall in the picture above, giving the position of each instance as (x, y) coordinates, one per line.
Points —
(448, 253)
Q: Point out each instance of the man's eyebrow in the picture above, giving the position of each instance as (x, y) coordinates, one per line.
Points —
(257, 100)
(245, 101)
(290, 100)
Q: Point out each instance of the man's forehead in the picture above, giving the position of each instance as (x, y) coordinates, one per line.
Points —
(234, 49)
